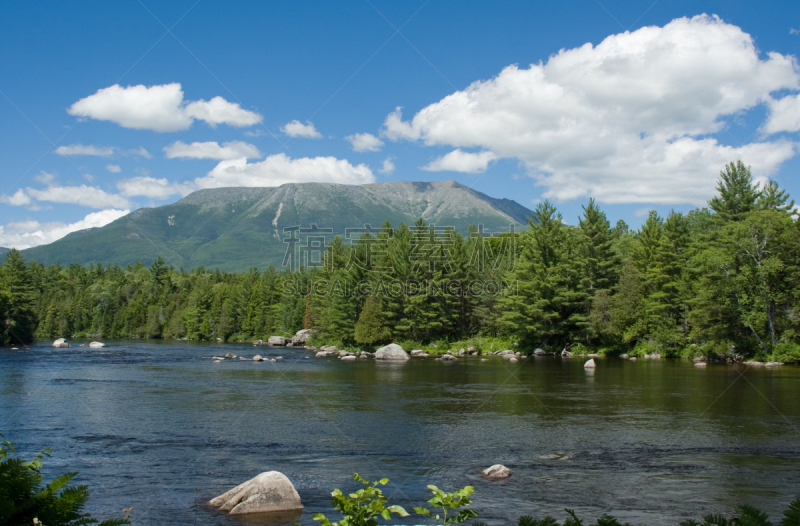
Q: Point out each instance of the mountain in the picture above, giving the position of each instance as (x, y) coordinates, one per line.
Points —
(234, 229)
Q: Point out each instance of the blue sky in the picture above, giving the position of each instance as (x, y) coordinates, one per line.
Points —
(108, 107)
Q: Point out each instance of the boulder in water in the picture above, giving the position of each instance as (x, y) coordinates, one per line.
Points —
(589, 364)
(496, 472)
(96, 345)
(278, 340)
(230, 356)
(391, 352)
(61, 343)
(301, 337)
(269, 491)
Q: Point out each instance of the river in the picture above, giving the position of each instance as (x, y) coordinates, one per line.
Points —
(159, 427)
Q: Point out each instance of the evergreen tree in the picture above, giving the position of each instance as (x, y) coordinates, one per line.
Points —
(20, 316)
(772, 197)
(737, 193)
(371, 325)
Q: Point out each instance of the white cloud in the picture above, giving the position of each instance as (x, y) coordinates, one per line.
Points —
(627, 120)
(80, 149)
(365, 142)
(460, 161)
(784, 115)
(388, 166)
(26, 234)
(83, 195)
(212, 150)
(220, 111)
(45, 178)
(254, 133)
(153, 188)
(113, 168)
(298, 129)
(141, 152)
(279, 169)
(20, 198)
(158, 108)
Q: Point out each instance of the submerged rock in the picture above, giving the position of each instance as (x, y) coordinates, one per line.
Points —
(269, 491)
(496, 472)
(230, 356)
(258, 358)
(391, 352)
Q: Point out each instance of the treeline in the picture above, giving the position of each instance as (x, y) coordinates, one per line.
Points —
(722, 280)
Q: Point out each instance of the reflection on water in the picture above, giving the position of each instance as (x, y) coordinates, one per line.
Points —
(158, 427)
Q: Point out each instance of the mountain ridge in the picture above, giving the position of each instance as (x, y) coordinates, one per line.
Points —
(236, 228)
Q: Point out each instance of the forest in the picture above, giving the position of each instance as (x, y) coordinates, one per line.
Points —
(721, 281)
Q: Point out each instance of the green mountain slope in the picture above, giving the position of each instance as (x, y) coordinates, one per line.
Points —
(234, 229)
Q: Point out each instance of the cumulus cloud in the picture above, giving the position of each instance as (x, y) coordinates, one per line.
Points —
(19, 198)
(279, 169)
(83, 195)
(298, 129)
(80, 149)
(628, 120)
(153, 188)
(211, 150)
(27, 234)
(113, 168)
(364, 142)
(460, 161)
(784, 115)
(158, 108)
(388, 166)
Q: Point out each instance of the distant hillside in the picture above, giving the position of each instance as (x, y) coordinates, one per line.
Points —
(234, 229)
(3, 251)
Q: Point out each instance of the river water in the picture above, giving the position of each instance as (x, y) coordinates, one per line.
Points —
(159, 427)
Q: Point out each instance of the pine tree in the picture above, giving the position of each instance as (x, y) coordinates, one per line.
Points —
(737, 193)
(21, 319)
(774, 198)
(371, 325)
(600, 258)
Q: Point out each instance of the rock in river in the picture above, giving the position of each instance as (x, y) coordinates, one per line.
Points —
(269, 491)
(589, 364)
(496, 472)
(96, 345)
(278, 340)
(61, 343)
(391, 352)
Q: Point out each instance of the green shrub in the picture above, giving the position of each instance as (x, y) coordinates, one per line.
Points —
(449, 502)
(787, 352)
(24, 500)
(363, 507)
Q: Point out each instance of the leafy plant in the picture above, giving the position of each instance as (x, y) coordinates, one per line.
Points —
(450, 502)
(24, 500)
(363, 507)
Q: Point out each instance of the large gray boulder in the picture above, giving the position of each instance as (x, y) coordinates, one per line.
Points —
(61, 343)
(278, 340)
(590, 364)
(269, 491)
(301, 337)
(391, 352)
(496, 472)
(96, 345)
